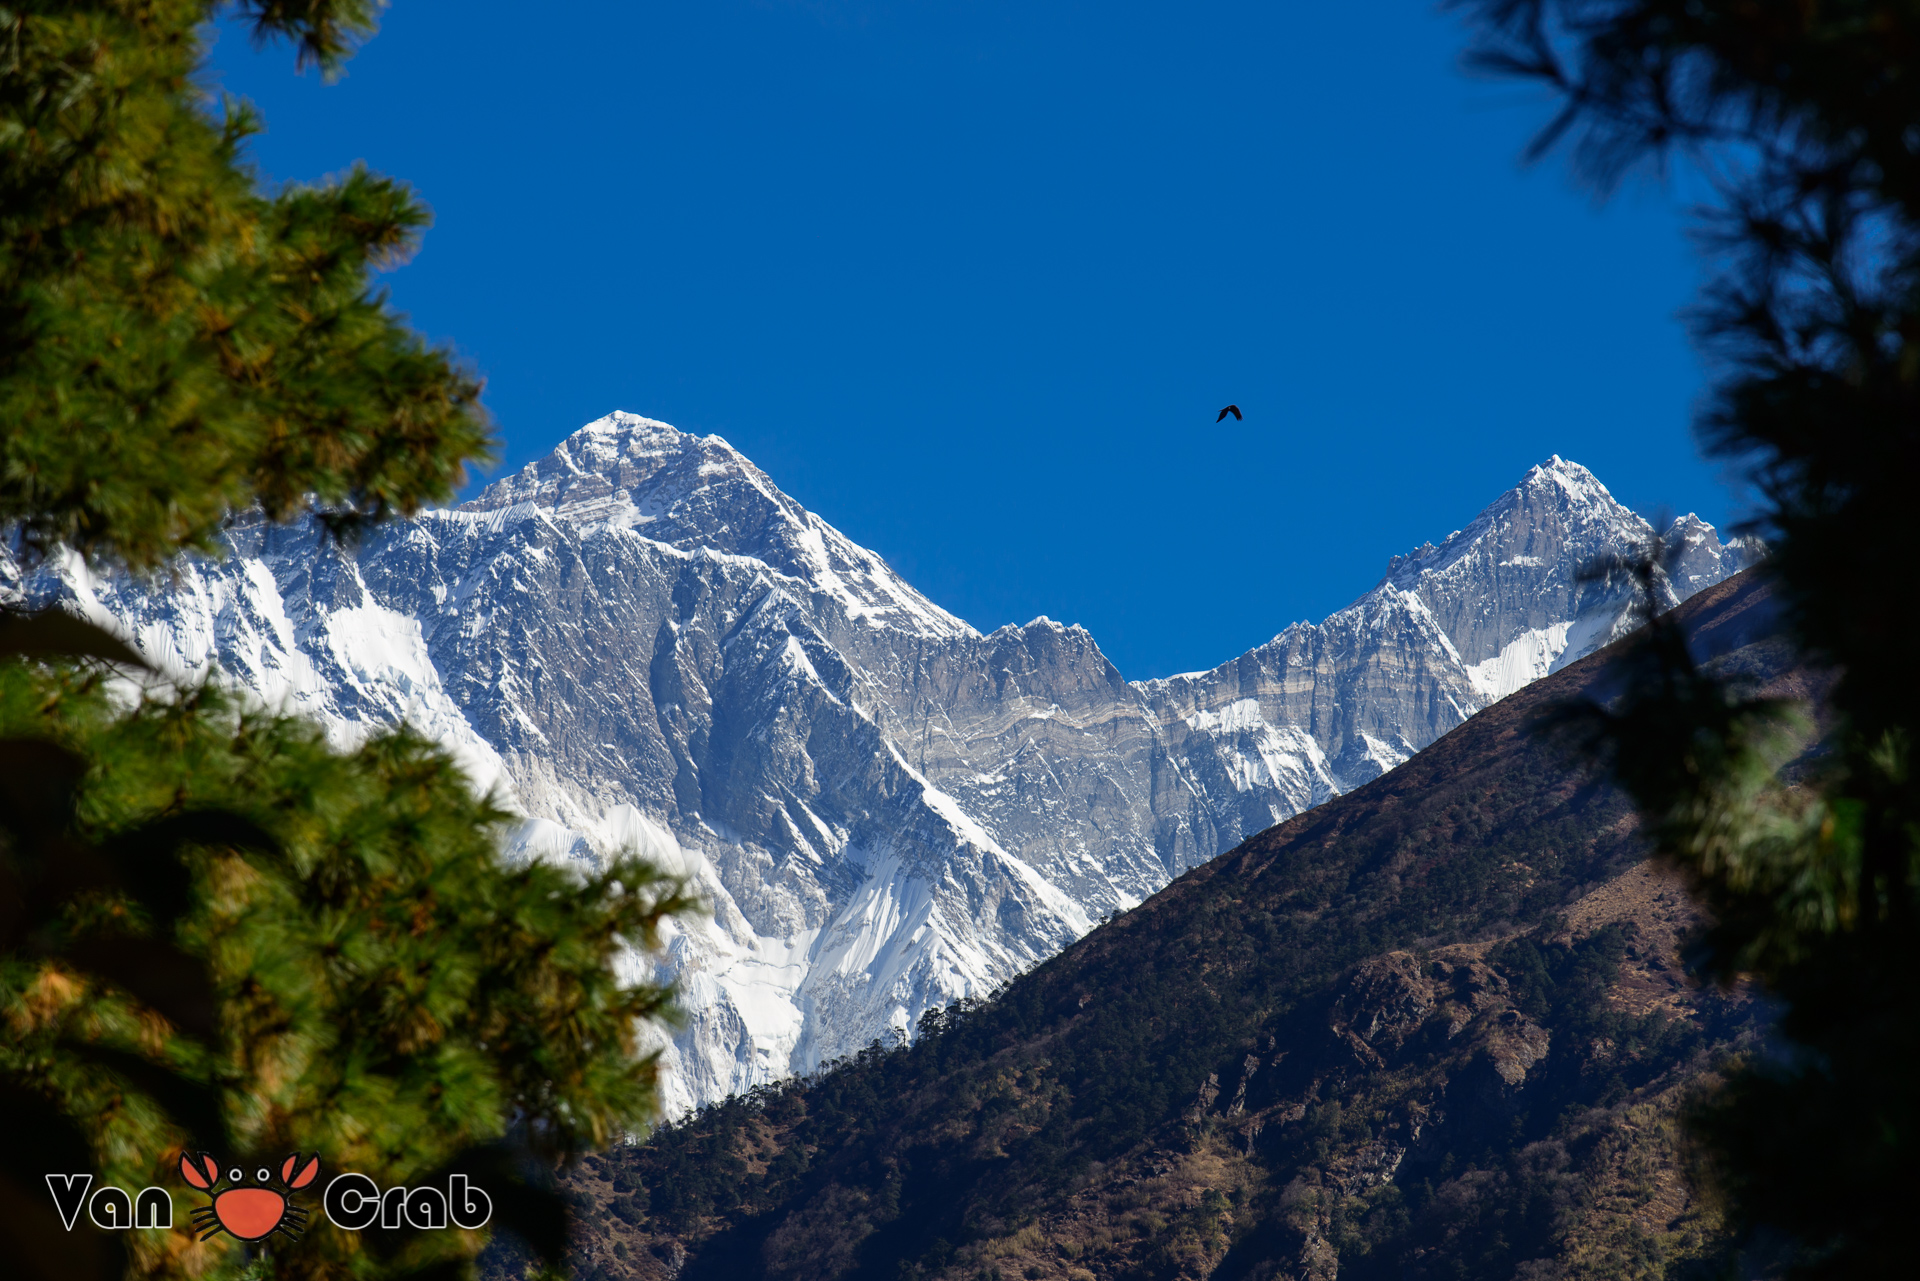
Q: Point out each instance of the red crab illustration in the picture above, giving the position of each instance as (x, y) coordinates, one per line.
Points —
(250, 1211)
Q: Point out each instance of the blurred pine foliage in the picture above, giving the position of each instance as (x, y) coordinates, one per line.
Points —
(217, 930)
(384, 990)
(1805, 120)
(176, 343)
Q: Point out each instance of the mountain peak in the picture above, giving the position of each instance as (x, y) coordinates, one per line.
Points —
(620, 423)
(616, 462)
(886, 809)
(637, 475)
(1557, 485)
(1575, 481)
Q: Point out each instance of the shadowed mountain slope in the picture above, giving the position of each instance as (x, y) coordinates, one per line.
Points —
(1433, 1028)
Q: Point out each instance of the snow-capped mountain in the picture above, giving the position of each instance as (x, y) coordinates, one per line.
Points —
(646, 644)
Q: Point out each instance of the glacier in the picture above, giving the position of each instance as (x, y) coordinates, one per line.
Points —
(641, 643)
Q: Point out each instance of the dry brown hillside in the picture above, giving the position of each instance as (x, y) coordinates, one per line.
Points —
(1436, 1028)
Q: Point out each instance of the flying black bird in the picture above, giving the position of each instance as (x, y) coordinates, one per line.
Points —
(1230, 409)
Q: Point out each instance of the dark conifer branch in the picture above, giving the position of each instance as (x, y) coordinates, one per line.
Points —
(1807, 119)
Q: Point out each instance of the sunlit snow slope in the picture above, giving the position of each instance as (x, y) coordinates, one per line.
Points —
(649, 645)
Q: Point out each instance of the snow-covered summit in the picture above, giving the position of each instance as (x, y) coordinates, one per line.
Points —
(1448, 630)
(1574, 496)
(698, 493)
(653, 647)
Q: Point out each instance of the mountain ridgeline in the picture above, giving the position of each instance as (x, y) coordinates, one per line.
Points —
(644, 643)
(1433, 1028)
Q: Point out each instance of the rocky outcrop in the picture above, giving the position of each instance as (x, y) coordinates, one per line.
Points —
(643, 642)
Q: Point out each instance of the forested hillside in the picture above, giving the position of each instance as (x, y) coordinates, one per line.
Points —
(1434, 1028)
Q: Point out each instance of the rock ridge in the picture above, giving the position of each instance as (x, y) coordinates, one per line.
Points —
(644, 643)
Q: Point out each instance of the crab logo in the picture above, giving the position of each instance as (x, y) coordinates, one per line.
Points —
(250, 1210)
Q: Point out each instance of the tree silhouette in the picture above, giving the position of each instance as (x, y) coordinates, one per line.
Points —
(1803, 118)
(216, 929)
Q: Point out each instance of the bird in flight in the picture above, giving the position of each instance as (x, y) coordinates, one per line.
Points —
(1230, 409)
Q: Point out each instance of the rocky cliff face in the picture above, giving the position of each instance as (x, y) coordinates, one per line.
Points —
(1435, 1028)
(646, 643)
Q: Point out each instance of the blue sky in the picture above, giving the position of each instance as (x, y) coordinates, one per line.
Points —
(971, 279)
